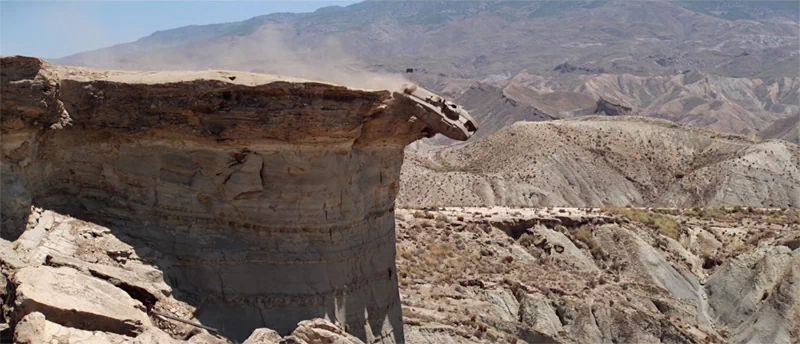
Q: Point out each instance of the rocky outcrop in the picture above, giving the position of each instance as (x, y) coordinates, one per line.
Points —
(269, 198)
(34, 328)
(76, 300)
(756, 296)
(589, 281)
(608, 108)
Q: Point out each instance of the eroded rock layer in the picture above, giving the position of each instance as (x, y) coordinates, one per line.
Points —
(269, 199)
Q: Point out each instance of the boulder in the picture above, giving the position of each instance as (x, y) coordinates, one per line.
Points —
(72, 299)
(34, 328)
(319, 331)
(263, 336)
(147, 291)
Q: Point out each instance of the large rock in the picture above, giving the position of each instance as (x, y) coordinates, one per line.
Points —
(272, 198)
(72, 299)
(319, 331)
(558, 246)
(263, 336)
(147, 291)
(34, 328)
(315, 331)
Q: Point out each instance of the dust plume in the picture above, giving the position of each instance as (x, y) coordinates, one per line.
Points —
(268, 50)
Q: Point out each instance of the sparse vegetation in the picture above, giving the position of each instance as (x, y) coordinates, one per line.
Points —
(738, 213)
(584, 235)
(666, 225)
(487, 257)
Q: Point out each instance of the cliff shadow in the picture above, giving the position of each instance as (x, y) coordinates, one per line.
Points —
(235, 299)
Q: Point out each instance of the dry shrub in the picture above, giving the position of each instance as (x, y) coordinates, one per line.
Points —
(584, 235)
(760, 236)
(443, 262)
(664, 224)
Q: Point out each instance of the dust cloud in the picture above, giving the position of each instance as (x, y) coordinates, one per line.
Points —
(267, 50)
(328, 61)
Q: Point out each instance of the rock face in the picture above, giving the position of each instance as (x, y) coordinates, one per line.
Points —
(271, 199)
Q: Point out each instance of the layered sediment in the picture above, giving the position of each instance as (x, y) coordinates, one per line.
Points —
(270, 199)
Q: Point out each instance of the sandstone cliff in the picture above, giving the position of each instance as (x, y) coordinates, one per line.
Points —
(269, 198)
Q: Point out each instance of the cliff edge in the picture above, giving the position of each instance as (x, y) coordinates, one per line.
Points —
(271, 199)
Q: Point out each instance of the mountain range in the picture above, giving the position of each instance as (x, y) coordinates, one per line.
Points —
(732, 66)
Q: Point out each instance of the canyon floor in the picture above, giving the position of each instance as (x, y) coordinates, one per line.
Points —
(466, 275)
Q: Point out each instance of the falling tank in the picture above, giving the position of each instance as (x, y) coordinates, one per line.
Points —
(443, 115)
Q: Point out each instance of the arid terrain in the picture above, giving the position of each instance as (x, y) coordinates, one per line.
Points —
(604, 161)
(587, 275)
(726, 104)
(635, 178)
(466, 275)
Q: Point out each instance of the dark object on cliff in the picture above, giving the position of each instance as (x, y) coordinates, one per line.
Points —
(611, 109)
(409, 70)
(444, 117)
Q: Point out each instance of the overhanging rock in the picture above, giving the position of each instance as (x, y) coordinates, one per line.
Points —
(270, 198)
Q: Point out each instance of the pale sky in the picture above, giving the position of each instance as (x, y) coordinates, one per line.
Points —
(53, 29)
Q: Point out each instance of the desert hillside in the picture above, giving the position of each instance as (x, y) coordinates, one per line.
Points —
(765, 107)
(559, 276)
(604, 161)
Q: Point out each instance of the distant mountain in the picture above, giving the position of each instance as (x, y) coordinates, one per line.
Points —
(751, 10)
(476, 39)
(729, 65)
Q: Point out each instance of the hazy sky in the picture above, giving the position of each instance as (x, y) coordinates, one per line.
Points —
(52, 29)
